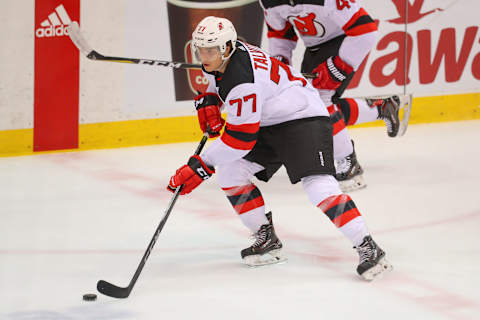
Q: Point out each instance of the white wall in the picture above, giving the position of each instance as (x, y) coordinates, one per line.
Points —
(102, 84)
(16, 64)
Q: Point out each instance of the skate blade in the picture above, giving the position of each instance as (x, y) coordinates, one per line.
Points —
(406, 106)
(353, 184)
(273, 257)
(378, 270)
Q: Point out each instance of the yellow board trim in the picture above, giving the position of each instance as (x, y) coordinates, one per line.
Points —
(439, 109)
(182, 129)
(16, 142)
(138, 132)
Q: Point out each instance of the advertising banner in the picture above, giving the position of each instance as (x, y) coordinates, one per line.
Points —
(56, 80)
(183, 17)
(436, 52)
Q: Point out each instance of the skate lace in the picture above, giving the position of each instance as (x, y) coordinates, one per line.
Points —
(385, 116)
(344, 165)
(388, 124)
(365, 252)
(261, 236)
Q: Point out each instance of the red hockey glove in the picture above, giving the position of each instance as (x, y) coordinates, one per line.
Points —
(282, 59)
(209, 115)
(190, 175)
(331, 73)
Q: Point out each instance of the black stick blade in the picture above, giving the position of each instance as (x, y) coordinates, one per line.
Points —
(112, 290)
(94, 55)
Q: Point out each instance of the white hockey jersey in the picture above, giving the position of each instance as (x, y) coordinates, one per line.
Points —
(315, 21)
(257, 90)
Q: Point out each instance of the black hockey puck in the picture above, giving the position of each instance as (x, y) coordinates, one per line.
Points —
(90, 297)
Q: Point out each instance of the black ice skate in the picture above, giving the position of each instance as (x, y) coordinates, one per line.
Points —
(388, 111)
(266, 249)
(349, 173)
(270, 219)
(372, 260)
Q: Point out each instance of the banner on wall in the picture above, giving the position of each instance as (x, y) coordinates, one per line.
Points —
(183, 17)
(426, 53)
(56, 80)
(423, 55)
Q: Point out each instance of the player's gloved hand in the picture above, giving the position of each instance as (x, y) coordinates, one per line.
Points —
(331, 73)
(209, 115)
(282, 59)
(190, 175)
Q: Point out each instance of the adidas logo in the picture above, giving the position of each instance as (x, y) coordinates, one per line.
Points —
(55, 25)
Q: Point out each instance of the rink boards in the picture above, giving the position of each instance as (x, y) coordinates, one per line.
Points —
(54, 99)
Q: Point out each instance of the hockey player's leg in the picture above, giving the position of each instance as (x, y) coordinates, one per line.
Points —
(349, 172)
(246, 199)
(266, 249)
(372, 261)
(324, 192)
(356, 111)
(386, 108)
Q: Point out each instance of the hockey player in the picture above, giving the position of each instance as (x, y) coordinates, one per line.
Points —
(338, 35)
(271, 114)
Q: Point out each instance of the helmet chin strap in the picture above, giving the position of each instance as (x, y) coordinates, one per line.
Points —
(225, 59)
(223, 64)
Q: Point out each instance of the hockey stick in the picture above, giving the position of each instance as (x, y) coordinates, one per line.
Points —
(77, 38)
(114, 291)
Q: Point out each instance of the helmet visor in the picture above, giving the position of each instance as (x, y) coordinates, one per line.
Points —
(207, 54)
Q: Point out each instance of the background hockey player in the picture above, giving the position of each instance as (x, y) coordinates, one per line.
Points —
(338, 35)
(271, 114)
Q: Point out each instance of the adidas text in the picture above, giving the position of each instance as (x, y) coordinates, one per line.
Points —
(52, 31)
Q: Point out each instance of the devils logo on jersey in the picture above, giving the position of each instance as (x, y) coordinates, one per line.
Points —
(307, 25)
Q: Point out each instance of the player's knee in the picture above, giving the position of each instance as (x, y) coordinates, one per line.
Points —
(320, 187)
(228, 178)
(234, 174)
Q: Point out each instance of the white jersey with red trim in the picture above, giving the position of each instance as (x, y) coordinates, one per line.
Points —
(257, 90)
(315, 21)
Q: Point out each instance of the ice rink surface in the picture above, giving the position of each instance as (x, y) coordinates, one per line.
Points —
(71, 219)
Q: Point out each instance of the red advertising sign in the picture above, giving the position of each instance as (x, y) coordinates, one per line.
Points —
(56, 81)
(191, 12)
(442, 56)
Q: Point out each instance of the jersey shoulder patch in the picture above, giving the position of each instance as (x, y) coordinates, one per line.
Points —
(239, 70)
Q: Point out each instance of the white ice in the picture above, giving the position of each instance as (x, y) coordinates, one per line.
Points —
(70, 219)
